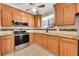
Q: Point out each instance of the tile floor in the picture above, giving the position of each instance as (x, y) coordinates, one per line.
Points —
(32, 50)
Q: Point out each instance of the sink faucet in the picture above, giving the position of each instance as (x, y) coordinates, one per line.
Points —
(47, 29)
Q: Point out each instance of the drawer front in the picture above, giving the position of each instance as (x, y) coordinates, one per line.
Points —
(69, 40)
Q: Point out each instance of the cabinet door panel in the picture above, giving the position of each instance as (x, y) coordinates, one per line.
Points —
(32, 38)
(72, 49)
(58, 15)
(65, 15)
(44, 41)
(69, 14)
(68, 49)
(53, 44)
(3, 46)
(77, 7)
(10, 45)
(37, 20)
(31, 21)
(7, 12)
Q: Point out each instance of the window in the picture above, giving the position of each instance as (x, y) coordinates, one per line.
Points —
(48, 21)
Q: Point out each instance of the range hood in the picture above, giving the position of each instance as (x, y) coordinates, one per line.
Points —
(19, 23)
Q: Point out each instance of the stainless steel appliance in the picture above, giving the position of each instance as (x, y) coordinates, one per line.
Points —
(21, 39)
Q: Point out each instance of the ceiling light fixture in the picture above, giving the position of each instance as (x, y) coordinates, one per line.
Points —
(34, 9)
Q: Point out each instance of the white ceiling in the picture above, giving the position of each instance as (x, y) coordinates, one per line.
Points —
(48, 9)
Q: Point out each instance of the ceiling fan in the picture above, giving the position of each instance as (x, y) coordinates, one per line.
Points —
(35, 7)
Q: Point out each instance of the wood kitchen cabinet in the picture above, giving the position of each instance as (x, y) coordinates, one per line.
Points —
(68, 47)
(16, 15)
(26, 18)
(6, 14)
(53, 44)
(32, 38)
(41, 40)
(0, 14)
(20, 16)
(38, 38)
(44, 41)
(7, 44)
(69, 14)
(31, 20)
(57, 45)
(77, 11)
(0, 47)
(37, 20)
(65, 15)
(59, 15)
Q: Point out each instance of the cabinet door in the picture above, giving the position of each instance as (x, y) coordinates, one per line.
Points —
(3, 46)
(32, 38)
(26, 18)
(6, 15)
(58, 15)
(53, 44)
(31, 21)
(68, 49)
(37, 20)
(16, 14)
(72, 48)
(63, 48)
(0, 46)
(44, 41)
(7, 44)
(69, 14)
(36, 38)
(0, 14)
(10, 44)
(77, 7)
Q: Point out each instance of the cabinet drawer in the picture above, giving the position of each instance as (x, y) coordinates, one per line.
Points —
(69, 40)
(54, 37)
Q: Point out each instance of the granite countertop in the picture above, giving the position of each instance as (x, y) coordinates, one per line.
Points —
(72, 35)
(67, 34)
(6, 33)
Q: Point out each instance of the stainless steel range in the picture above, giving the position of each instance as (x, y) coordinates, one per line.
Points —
(21, 39)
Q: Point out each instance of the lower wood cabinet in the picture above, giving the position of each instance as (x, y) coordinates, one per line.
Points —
(41, 40)
(0, 47)
(32, 38)
(53, 44)
(68, 48)
(44, 41)
(56, 45)
(7, 44)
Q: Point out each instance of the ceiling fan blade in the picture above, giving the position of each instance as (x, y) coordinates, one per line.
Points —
(31, 4)
(28, 9)
(41, 6)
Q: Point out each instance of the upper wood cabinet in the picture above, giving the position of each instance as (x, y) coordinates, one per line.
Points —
(16, 15)
(59, 14)
(69, 14)
(0, 14)
(37, 20)
(6, 14)
(25, 18)
(31, 21)
(65, 14)
(77, 7)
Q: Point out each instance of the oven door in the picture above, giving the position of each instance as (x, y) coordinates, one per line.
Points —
(25, 38)
(18, 40)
